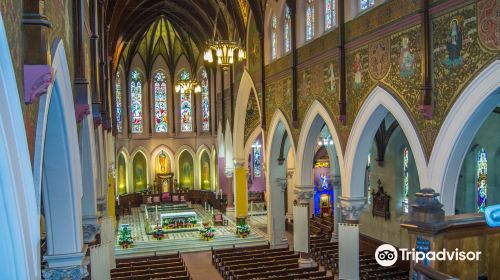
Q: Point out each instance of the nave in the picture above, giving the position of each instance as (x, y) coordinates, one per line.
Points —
(237, 139)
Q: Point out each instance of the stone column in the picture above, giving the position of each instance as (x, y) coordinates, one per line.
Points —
(240, 191)
(301, 214)
(337, 189)
(349, 237)
(228, 172)
(290, 194)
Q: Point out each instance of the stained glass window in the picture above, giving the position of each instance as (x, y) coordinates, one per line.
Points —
(186, 106)
(330, 15)
(368, 179)
(119, 104)
(482, 180)
(274, 38)
(257, 159)
(310, 20)
(406, 182)
(136, 102)
(160, 93)
(205, 101)
(365, 4)
(286, 30)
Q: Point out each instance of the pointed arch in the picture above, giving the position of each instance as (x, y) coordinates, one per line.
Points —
(204, 149)
(255, 134)
(122, 152)
(187, 149)
(372, 112)
(246, 88)
(472, 107)
(133, 172)
(57, 165)
(155, 153)
(21, 234)
(316, 116)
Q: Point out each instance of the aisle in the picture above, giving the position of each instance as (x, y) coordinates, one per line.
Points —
(200, 266)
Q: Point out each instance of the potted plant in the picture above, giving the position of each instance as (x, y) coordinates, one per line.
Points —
(207, 233)
(158, 233)
(243, 231)
(125, 237)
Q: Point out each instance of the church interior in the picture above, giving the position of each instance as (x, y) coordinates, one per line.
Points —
(250, 139)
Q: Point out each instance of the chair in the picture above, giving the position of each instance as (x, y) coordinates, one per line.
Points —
(156, 199)
(165, 196)
(218, 220)
(183, 199)
(175, 198)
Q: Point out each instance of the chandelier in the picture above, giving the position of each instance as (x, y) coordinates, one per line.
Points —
(187, 86)
(226, 52)
(325, 141)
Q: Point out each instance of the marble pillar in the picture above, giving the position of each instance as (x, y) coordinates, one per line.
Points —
(301, 213)
(349, 237)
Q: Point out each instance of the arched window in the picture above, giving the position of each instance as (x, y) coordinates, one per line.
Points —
(257, 159)
(368, 179)
(274, 39)
(286, 30)
(119, 104)
(136, 102)
(330, 14)
(186, 106)
(205, 101)
(482, 179)
(406, 182)
(160, 93)
(310, 20)
(366, 4)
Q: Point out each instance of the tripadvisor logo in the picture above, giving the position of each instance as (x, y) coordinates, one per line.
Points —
(387, 255)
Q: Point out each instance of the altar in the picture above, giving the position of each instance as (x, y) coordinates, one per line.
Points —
(178, 217)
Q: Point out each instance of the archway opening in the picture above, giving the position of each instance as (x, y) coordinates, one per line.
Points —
(186, 171)
(205, 176)
(480, 170)
(139, 172)
(121, 180)
(256, 180)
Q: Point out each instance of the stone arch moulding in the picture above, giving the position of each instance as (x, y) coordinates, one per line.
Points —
(155, 153)
(307, 142)
(61, 178)
(372, 112)
(190, 150)
(275, 173)
(472, 107)
(128, 177)
(145, 152)
(245, 90)
(20, 254)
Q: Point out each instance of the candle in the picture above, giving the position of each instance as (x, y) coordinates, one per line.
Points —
(156, 214)
(205, 205)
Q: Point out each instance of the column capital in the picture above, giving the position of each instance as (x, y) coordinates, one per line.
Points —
(37, 79)
(304, 193)
(290, 172)
(90, 231)
(239, 163)
(351, 208)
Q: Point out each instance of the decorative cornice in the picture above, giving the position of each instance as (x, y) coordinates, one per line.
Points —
(37, 79)
(351, 208)
(304, 193)
(81, 111)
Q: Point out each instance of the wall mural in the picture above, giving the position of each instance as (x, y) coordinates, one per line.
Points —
(205, 171)
(186, 171)
(252, 118)
(122, 175)
(458, 54)
(253, 50)
(140, 172)
(279, 96)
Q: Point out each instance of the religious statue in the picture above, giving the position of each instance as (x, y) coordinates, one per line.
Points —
(405, 59)
(357, 68)
(454, 45)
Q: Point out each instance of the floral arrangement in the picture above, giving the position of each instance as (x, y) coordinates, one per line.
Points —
(207, 232)
(243, 230)
(158, 233)
(125, 237)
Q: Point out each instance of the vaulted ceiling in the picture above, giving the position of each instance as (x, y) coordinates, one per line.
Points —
(129, 20)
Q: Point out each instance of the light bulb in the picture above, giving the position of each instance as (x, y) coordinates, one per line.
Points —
(320, 143)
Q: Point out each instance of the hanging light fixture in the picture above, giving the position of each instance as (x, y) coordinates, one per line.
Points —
(325, 141)
(226, 52)
(187, 86)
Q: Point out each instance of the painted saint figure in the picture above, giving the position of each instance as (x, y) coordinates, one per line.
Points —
(357, 68)
(454, 45)
(405, 59)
